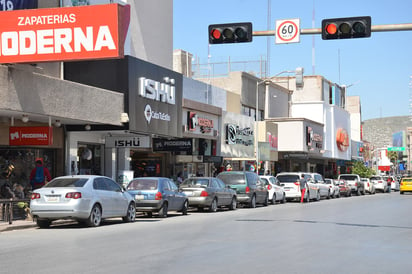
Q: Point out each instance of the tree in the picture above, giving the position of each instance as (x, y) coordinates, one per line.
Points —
(363, 171)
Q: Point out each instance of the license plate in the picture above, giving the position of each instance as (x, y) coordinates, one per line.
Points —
(188, 193)
(139, 197)
(52, 199)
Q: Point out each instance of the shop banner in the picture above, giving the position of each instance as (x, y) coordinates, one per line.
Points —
(128, 141)
(172, 145)
(57, 34)
(31, 136)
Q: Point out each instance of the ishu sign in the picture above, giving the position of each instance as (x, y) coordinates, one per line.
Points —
(57, 34)
(24, 136)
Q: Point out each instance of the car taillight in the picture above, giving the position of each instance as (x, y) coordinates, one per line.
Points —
(158, 196)
(296, 183)
(401, 184)
(269, 187)
(247, 189)
(35, 196)
(204, 194)
(73, 195)
(330, 186)
(356, 184)
(368, 185)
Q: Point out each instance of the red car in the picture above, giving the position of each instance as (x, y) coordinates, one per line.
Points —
(344, 188)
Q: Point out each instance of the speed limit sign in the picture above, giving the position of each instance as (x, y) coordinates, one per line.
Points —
(287, 31)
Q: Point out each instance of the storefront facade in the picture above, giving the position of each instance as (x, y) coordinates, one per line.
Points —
(153, 103)
(237, 142)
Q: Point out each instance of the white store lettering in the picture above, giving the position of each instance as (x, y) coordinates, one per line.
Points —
(154, 90)
(50, 41)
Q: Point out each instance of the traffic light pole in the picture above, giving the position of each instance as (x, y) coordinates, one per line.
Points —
(376, 28)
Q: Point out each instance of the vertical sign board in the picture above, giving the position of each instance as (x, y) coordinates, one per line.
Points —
(57, 34)
(31, 136)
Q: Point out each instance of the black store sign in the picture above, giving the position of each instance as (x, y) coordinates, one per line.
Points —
(185, 145)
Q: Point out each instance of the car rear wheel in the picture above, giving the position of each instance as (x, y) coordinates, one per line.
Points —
(252, 203)
(43, 223)
(185, 206)
(233, 204)
(131, 214)
(274, 199)
(95, 217)
(213, 206)
(283, 199)
(163, 210)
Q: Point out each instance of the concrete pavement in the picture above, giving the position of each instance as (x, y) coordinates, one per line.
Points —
(16, 225)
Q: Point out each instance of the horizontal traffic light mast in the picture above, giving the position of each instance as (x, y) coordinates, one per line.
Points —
(376, 28)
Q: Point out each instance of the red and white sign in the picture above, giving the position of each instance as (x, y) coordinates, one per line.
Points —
(57, 34)
(36, 136)
(287, 31)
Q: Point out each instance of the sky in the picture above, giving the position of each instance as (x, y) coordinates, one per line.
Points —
(378, 69)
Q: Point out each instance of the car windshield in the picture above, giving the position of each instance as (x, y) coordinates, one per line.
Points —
(290, 178)
(196, 182)
(142, 184)
(348, 177)
(375, 178)
(407, 180)
(232, 178)
(67, 182)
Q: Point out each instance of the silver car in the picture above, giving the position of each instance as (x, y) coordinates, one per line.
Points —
(86, 198)
(157, 194)
(208, 192)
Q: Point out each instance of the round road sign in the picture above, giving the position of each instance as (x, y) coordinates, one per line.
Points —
(288, 31)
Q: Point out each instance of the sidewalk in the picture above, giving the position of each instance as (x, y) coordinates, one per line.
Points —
(16, 225)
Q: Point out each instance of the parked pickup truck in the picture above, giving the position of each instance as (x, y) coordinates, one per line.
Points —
(355, 183)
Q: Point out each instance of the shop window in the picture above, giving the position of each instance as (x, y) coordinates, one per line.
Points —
(16, 164)
(89, 159)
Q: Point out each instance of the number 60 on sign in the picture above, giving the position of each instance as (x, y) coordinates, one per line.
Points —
(287, 31)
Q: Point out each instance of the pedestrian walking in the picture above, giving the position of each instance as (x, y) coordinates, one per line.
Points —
(302, 183)
(39, 175)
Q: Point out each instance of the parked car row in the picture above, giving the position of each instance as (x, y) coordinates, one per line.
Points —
(91, 198)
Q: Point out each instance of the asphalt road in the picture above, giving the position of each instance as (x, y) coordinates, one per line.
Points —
(366, 234)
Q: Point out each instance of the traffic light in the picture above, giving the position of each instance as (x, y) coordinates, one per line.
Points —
(230, 33)
(344, 28)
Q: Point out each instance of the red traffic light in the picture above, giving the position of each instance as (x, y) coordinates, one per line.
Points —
(331, 29)
(230, 33)
(349, 27)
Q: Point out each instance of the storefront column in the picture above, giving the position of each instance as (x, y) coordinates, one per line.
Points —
(110, 162)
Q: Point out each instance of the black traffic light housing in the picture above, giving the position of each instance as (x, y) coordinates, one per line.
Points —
(345, 28)
(230, 33)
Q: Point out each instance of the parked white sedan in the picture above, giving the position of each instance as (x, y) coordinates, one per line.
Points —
(333, 187)
(290, 182)
(369, 186)
(86, 198)
(380, 183)
(276, 191)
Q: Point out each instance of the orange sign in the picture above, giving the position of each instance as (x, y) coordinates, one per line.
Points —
(342, 139)
(23, 136)
(57, 34)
